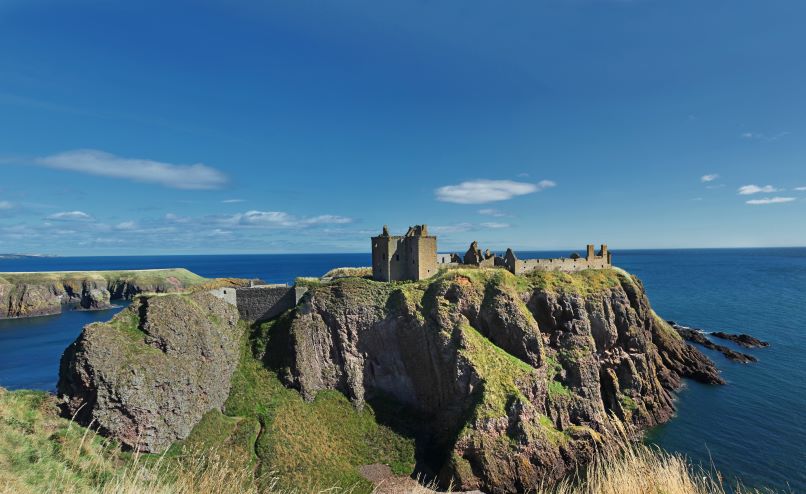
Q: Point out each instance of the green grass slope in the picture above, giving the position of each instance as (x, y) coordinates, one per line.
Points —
(313, 445)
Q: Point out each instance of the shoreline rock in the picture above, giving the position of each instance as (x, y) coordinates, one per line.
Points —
(741, 339)
(698, 336)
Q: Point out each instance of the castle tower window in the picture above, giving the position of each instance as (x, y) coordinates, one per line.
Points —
(397, 257)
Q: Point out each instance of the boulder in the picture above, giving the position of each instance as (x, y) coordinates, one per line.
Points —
(150, 374)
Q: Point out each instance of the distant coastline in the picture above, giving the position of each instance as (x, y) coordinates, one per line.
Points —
(25, 256)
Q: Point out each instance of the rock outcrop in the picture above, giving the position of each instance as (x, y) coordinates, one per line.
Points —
(517, 380)
(38, 294)
(23, 300)
(520, 376)
(741, 339)
(699, 337)
(150, 374)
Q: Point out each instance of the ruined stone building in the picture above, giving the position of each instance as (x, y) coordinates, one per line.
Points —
(412, 256)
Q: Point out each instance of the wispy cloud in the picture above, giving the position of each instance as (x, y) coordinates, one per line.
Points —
(800, 188)
(70, 216)
(483, 191)
(770, 200)
(280, 219)
(126, 225)
(493, 212)
(5, 205)
(494, 225)
(758, 136)
(232, 201)
(265, 218)
(94, 162)
(455, 228)
(747, 190)
(709, 178)
(327, 219)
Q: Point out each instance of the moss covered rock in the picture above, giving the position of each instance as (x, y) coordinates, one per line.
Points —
(148, 376)
(519, 376)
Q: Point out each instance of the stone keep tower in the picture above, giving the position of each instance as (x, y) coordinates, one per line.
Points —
(412, 256)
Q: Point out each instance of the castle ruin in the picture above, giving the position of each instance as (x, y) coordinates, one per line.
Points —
(413, 256)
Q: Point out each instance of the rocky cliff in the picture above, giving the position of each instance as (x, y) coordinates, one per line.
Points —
(37, 294)
(150, 374)
(519, 376)
(513, 380)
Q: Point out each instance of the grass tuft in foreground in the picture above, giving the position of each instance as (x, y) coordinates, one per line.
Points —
(43, 453)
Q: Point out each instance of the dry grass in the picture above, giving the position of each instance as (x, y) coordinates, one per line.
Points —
(362, 272)
(643, 469)
(43, 453)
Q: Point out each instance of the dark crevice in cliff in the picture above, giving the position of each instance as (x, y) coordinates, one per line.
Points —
(142, 314)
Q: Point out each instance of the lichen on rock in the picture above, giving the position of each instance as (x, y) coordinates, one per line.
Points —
(521, 376)
(150, 374)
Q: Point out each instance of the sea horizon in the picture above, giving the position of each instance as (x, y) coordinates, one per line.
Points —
(441, 251)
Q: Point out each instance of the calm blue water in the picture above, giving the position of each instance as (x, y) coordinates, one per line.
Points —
(752, 428)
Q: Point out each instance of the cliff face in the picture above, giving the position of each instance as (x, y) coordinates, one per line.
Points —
(518, 374)
(149, 375)
(514, 380)
(37, 294)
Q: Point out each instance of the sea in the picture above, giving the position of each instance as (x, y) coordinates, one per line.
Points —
(753, 428)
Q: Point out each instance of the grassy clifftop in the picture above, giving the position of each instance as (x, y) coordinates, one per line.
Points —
(144, 277)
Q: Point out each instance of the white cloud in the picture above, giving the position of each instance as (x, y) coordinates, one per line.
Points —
(94, 162)
(483, 191)
(266, 218)
(493, 224)
(232, 201)
(70, 216)
(327, 219)
(5, 205)
(126, 225)
(770, 200)
(455, 228)
(747, 190)
(283, 219)
(492, 212)
(800, 188)
(709, 178)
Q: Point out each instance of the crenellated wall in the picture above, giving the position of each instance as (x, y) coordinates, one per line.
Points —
(559, 264)
(592, 260)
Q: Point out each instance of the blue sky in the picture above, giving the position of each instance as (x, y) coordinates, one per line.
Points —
(215, 127)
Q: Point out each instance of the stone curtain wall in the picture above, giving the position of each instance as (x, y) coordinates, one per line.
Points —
(561, 264)
(261, 303)
(225, 294)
